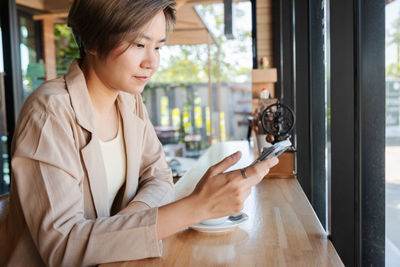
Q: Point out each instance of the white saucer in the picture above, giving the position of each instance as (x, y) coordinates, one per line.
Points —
(227, 226)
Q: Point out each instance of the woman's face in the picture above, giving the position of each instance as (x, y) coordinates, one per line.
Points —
(129, 71)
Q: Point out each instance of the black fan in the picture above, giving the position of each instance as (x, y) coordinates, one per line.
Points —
(277, 121)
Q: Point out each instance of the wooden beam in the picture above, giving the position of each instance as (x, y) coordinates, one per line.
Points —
(180, 3)
(57, 5)
(189, 37)
(208, 2)
(49, 48)
(52, 16)
(34, 4)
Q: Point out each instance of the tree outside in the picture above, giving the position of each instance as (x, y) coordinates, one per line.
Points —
(67, 49)
(190, 63)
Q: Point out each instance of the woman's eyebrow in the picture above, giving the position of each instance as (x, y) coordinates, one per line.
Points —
(151, 39)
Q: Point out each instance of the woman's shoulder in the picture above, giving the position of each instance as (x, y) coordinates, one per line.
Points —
(50, 97)
(46, 112)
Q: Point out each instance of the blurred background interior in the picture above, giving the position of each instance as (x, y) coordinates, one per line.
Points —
(206, 87)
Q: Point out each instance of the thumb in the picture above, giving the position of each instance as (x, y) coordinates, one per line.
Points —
(224, 164)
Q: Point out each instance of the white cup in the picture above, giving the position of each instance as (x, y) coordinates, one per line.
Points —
(261, 142)
(215, 221)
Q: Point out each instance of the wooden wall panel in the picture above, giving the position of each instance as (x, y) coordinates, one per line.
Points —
(35, 4)
(49, 48)
(57, 5)
(264, 30)
(264, 3)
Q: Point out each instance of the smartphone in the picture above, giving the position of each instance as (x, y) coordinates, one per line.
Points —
(274, 151)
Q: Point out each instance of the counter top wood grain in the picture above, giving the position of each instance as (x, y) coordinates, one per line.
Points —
(282, 230)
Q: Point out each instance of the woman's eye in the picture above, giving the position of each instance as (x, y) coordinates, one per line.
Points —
(139, 45)
(158, 48)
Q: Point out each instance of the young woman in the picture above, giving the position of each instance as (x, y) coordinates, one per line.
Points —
(90, 182)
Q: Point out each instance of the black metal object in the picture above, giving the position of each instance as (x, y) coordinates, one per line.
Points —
(371, 129)
(344, 206)
(278, 120)
(4, 187)
(228, 23)
(38, 40)
(301, 94)
(358, 130)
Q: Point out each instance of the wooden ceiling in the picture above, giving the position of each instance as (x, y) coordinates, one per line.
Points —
(189, 29)
(53, 6)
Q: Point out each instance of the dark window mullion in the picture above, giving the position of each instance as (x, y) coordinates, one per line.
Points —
(318, 109)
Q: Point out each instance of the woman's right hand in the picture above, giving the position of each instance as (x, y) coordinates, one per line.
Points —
(221, 194)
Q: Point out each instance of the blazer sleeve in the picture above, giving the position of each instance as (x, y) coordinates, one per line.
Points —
(49, 186)
(156, 187)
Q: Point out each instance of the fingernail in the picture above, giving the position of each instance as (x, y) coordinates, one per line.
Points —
(235, 155)
(275, 160)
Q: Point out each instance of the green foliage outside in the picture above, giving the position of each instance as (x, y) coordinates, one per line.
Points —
(393, 69)
(190, 63)
(66, 48)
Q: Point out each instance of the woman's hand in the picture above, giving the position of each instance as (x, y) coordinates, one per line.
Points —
(221, 194)
(217, 194)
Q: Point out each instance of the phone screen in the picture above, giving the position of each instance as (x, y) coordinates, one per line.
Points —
(274, 151)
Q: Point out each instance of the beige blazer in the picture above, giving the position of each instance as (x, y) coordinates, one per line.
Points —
(58, 198)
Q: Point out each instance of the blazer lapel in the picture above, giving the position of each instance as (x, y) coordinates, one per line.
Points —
(91, 153)
(93, 160)
(133, 136)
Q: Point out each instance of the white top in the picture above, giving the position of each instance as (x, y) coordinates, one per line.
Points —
(115, 163)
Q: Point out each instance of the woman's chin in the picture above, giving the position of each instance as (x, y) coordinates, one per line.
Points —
(134, 90)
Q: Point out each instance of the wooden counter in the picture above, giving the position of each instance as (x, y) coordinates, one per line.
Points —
(282, 229)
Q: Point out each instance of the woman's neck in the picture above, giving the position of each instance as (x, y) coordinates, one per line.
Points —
(103, 99)
(102, 96)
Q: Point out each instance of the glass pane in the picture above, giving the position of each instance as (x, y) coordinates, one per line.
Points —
(1, 52)
(4, 167)
(66, 48)
(327, 104)
(178, 97)
(33, 69)
(393, 133)
(320, 101)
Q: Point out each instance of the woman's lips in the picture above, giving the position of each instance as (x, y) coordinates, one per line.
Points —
(142, 78)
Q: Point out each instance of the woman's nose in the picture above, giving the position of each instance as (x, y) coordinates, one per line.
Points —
(150, 61)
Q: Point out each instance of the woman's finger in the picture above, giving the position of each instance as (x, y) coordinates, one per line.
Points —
(260, 169)
(254, 173)
(224, 164)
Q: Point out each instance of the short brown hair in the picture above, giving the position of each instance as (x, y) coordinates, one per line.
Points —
(101, 25)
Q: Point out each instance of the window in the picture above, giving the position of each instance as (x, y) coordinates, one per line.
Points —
(4, 164)
(188, 107)
(32, 65)
(392, 133)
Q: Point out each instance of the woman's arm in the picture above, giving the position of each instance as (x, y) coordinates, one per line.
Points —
(133, 207)
(51, 191)
(217, 194)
